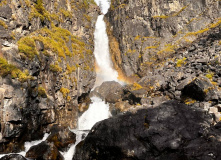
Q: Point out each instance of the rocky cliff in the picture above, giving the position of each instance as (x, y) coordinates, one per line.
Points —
(143, 34)
(171, 49)
(46, 66)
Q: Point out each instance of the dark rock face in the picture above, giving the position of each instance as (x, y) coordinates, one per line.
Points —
(13, 157)
(170, 131)
(44, 151)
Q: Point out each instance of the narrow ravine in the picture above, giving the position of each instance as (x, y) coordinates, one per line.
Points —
(98, 109)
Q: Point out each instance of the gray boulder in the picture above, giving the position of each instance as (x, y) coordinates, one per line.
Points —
(200, 89)
(110, 91)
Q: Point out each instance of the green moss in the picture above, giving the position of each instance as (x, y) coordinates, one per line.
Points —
(2, 23)
(161, 17)
(42, 92)
(151, 47)
(55, 68)
(3, 2)
(70, 69)
(88, 18)
(65, 92)
(180, 62)
(6, 68)
(136, 86)
(189, 101)
(210, 26)
(38, 10)
(54, 40)
(137, 37)
(27, 46)
(66, 13)
(169, 48)
(210, 75)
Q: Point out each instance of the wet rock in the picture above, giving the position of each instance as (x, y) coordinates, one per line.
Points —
(62, 139)
(13, 157)
(44, 151)
(170, 131)
(48, 116)
(200, 89)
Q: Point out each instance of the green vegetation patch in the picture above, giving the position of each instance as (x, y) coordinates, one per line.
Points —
(64, 91)
(2, 23)
(42, 92)
(3, 2)
(54, 40)
(6, 68)
(180, 62)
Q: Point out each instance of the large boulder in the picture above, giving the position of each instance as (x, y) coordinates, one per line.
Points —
(44, 151)
(170, 131)
(13, 157)
(62, 139)
(200, 89)
(110, 91)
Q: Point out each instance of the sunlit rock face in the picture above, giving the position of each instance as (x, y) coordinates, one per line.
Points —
(146, 32)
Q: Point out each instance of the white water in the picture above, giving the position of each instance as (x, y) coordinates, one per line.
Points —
(98, 110)
(28, 145)
(69, 154)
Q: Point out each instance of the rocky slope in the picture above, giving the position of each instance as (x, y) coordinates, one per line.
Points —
(46, 66)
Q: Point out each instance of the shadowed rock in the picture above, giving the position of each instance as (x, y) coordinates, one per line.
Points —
(200, 89)
(13, 157)
(170, 131)
(44, 151)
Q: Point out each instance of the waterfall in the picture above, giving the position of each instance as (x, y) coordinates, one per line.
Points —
(98, 109)
(28, 145)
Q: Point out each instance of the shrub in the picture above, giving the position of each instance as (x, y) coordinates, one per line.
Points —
(42, 92)
(2, 23)
(55, 68)
(64, 91)
(180, 62)
(6, 69)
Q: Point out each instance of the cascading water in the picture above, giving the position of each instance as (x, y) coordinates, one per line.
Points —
(28, 145)
(98, 110)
